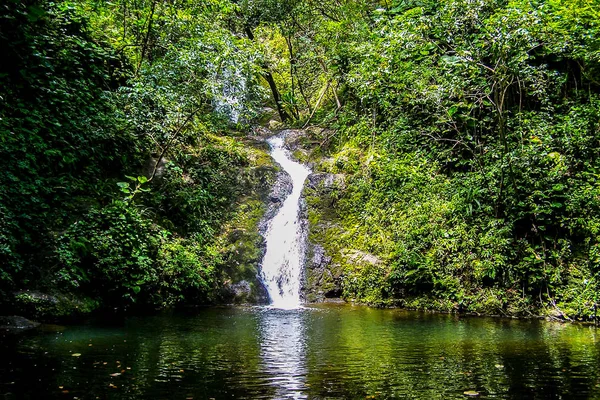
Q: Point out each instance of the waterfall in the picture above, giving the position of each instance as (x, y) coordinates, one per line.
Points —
(285, 236)
(229, 87)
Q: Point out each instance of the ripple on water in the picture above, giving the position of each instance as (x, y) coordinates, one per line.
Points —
(314, 352)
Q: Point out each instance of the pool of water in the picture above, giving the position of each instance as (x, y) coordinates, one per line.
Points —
(315, 352)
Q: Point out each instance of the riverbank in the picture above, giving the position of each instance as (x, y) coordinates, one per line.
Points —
(360, 240)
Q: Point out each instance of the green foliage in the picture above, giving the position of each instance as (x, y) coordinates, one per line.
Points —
(468, 139)
(58, 129)
(111, 252)
(118, 172)
(466, 132)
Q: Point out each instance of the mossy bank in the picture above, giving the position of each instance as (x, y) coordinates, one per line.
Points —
(417, 251)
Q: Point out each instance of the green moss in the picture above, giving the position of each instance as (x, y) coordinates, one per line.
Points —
(42, 307)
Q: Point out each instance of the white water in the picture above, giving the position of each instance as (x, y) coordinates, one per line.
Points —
(285, 237)
(229, 95)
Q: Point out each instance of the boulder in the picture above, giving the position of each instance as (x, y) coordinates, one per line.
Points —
(279, 192)
(244, 292)
(360, 257)
(16, 324)
(322, 277)
(325, 183)
(268, 114)
(294, 138)
(46, 307)
(275, 125)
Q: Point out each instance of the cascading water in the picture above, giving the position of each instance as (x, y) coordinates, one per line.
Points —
(285, 236)
(231, 90)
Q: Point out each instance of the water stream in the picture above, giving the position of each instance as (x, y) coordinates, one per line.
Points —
(285, 236)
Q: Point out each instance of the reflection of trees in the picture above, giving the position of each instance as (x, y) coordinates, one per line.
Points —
(214, 354)
(343, 352)
(367, 351)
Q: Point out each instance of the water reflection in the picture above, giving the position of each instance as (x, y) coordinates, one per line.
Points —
(314, 353)
(283, 351)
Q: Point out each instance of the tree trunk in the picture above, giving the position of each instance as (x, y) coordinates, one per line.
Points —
(147, 36)
(269, 78)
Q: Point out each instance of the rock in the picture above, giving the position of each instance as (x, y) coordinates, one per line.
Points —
(46, 307)
(241, 289)
(360, 257)
(294, 138)
(325, 183)
(279, 192)
(15, 324)
(319, 259)
(322, 278)
(245, 292)
(268, 114)
(260, 134)
(150, 164)
(275, 125)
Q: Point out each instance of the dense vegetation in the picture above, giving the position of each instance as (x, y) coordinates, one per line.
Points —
(469, 136)
(466, 132)
(118, 180)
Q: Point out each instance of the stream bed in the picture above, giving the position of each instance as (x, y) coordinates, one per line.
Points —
(326, 351)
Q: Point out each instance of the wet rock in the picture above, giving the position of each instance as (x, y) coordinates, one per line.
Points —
(325, 183)
(15, 324)
(260, 134)
(319, 259)
(245, 292)
(279, 192)
(322, 278)
(46, 307)
(294, 138)
(306, 140)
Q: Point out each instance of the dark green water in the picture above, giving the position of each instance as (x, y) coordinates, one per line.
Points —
(316, 352)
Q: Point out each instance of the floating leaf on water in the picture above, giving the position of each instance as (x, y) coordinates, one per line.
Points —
(471, 393)
(76, 355)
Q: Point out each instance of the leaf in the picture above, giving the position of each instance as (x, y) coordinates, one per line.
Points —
(76, 355)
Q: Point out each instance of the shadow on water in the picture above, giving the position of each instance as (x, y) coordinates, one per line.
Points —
(313, 352)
